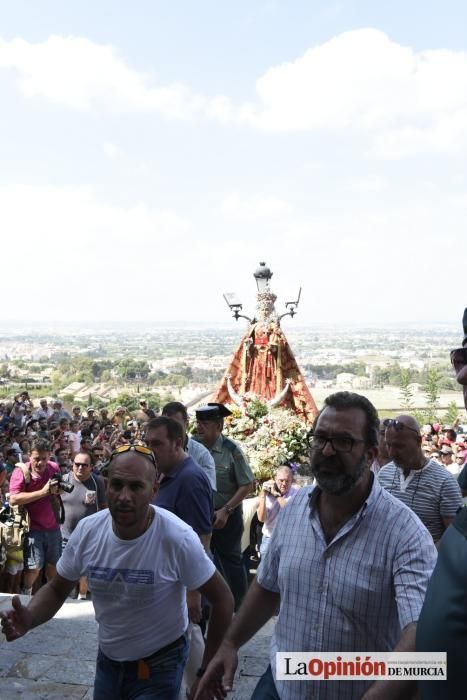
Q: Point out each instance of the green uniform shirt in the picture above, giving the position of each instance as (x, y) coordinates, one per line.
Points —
(232, 469)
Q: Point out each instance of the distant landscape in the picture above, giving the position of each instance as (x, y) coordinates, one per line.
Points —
(108, 364)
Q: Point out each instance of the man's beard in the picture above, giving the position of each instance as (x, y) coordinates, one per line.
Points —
(337, 484)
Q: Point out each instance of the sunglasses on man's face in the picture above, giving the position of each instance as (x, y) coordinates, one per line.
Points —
(459, 358)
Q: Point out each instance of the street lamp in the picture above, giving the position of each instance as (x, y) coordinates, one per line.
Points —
(262, 276)
(235, 305)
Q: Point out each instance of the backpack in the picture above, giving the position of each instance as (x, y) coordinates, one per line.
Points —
(16, 523)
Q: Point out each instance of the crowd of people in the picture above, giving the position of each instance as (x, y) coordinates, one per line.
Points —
(148, 520)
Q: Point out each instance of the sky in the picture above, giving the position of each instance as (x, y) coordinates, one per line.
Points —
(153, 153)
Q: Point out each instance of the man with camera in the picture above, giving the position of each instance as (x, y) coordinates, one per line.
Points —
(274, 496)
(35, 485)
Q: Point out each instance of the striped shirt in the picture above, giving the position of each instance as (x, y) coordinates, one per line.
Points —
(354, 594)
(431, 492)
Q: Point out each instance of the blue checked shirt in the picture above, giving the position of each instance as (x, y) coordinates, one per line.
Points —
(356, 593)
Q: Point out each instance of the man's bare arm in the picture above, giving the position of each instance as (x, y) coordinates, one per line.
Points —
(25, 497)
(396, 690)
(221, 600)
(257, 608)
(43, 605)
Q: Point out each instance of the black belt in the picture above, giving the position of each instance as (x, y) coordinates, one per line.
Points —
(169, 647)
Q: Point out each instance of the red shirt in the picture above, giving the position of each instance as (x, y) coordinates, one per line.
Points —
(40, 512)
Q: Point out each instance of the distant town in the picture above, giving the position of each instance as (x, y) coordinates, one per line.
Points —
(396, 368)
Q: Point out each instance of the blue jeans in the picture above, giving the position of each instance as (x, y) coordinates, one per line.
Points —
(264, 545)
(265, 689)
(118, 680)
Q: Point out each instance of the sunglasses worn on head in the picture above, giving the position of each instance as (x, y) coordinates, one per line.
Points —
(140, 449)
(398, 426)
(459, 358)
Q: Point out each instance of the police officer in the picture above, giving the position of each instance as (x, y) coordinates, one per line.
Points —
(234, 482)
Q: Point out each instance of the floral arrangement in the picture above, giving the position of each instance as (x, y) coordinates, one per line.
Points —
(269, 437)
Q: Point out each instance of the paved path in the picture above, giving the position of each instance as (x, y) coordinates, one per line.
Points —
(57, 659)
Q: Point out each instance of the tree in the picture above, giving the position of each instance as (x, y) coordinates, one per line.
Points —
(406, 391)
(380, 376)
(130, 370)
(431, 389)
(452, 414)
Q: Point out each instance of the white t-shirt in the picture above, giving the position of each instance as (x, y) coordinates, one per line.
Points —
(138, 586)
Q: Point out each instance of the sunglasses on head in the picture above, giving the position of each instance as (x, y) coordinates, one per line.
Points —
(140, 449)
(397, 425)
(459, 358)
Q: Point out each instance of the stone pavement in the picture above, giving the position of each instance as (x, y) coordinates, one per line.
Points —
(57, 660)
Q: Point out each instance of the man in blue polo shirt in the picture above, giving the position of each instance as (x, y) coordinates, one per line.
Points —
(184, 489)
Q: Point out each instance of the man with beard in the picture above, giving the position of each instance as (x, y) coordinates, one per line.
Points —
(422, 484)
(443, 620)
(348, 565)
(139, 561)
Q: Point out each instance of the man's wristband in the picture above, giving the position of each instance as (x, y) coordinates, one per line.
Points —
(229, 509)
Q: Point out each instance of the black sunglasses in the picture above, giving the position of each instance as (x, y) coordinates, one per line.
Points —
(459, 358)
(397, 425)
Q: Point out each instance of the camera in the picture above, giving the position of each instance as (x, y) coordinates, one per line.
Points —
(5, 513)
(62, 485)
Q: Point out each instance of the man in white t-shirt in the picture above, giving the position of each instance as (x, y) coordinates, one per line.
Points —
(139, 561)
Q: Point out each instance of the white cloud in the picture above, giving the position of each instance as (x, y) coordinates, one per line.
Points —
(80, 74)
(362, 79)
(111, 150)
(370, 184)
(406, 102)
(241, 208)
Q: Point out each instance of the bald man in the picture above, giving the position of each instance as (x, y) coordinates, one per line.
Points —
(421, 483)
(139, 561)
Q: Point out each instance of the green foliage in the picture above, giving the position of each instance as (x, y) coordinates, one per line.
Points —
(452, 414)
(432, 390)
(255, 408)
(406, 391)
(132, 370)
(332, 370)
